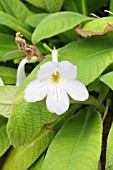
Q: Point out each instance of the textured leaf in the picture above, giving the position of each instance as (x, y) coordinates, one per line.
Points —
(35, 19)
(23, 157)
(16, 8)
(37, 3)
(7, 94)
(78, 144)
(96, 27)
(109, 153)
(8, 75)
(38, 164)
(57, 23)
(71, 6)
(8, 44)
(4, 141)
(1, 7)
(91, 56)
(108, 79)
(54, 5)
(14, 24)
(111, 5)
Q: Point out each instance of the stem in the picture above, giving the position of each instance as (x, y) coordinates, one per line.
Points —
(47, 47)
(84, 7)
(91, 101)
(108, 102)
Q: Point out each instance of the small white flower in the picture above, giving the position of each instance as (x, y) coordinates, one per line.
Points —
(56, 80)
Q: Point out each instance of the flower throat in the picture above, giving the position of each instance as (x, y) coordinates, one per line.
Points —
(55, 78)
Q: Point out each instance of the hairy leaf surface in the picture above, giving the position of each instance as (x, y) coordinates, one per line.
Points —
(4, 141)
(109, 152)
(7, 94)
(108, 79)
(16, 8)
(14, 24)
(78, 144)
(57, 23)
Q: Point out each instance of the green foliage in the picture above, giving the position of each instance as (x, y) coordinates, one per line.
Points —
(7, 45)
(20, 159)
(108, 79)
(91, 55)
(35, 19)
(23, 157)
(29, 128)
(83, 6)
(16, 8)
(8, 75)
(78, 142)
(48, 5)
(54, 24)
(14, 24)
(54, 5)
(4, 141)
(7, 94)
(109, 153)
(99, 25)
(38, 164)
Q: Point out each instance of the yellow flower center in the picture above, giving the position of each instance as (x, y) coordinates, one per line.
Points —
(55, 78)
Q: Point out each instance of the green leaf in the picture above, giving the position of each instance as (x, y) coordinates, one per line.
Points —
(38, 164)
(91, 55)
(57, 23)
(4, 141)
(54, 5)
(71, 6)
(37, 3)
(108, 79)
(78, 144)
(109, 152)
(23, 157)
(7, 94)
(16, 8)
(8, 75)
(100, 25)
(111, 5)
(35, 19)
(14, 24)
(8, 44)
(1, 7)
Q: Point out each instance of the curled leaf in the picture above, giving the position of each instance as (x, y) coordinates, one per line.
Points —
(96, 27)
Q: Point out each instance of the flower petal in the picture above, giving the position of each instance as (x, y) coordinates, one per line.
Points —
(67, 69)
(1, 82)
(57, 100)
(75, 89)
(36, 90)
(21, 76)
(46, 70)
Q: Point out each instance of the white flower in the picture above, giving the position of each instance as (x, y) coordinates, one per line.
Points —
(56, 80)
(21, 75)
